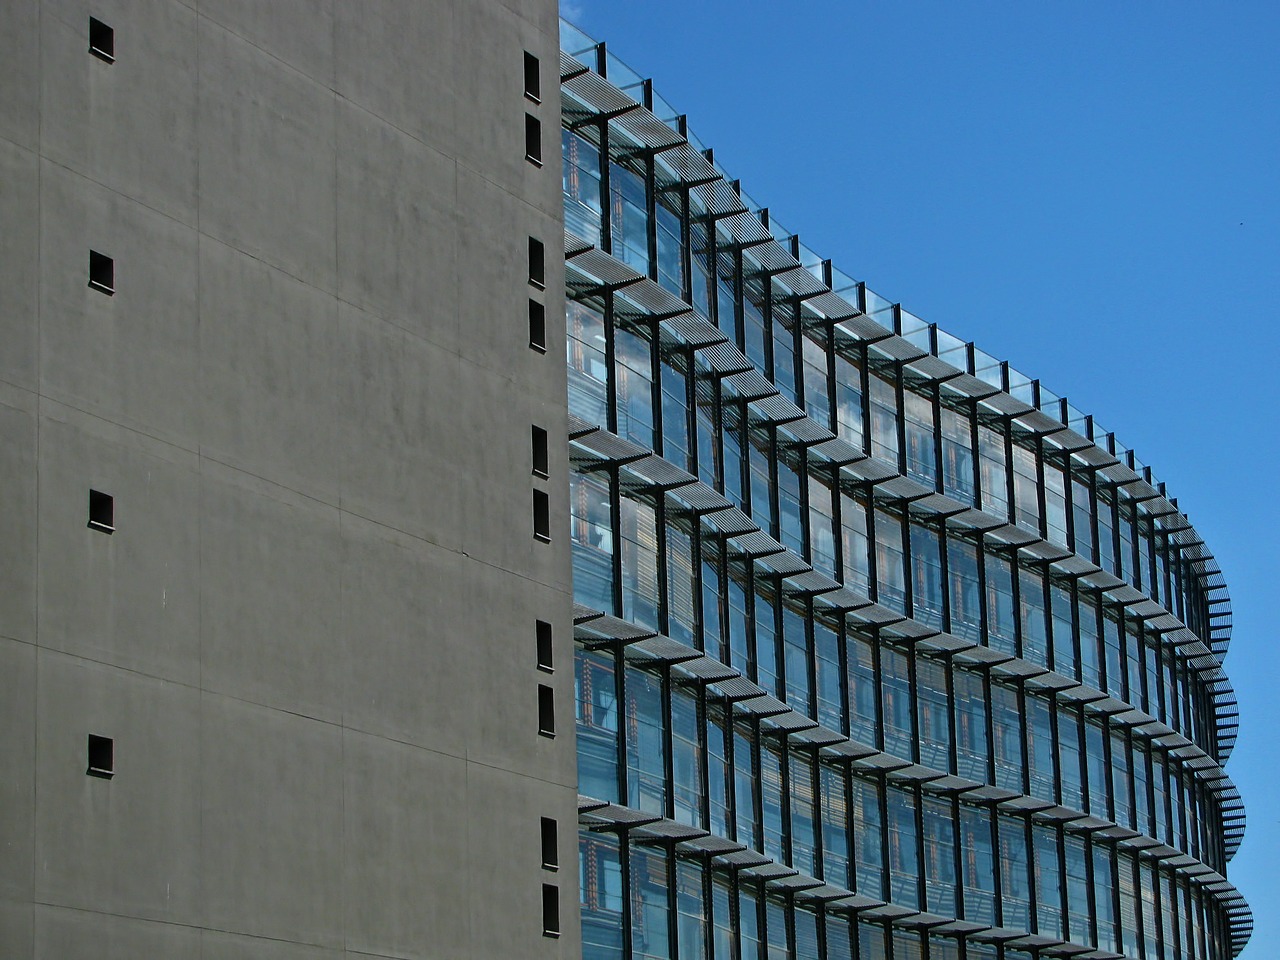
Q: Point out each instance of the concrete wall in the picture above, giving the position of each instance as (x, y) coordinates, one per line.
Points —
(311, 635)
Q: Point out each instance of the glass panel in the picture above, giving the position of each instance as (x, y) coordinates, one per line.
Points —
(884, 417)
(962, 575)
(587, 364)
(926, 576)
(600, 895)
(939, 856)
(826, 658)
(971, 726)
(646, 744)
(675, 412)
(628, 218)
(862, 689)
(817, 400)
(978, 863)
(918, 429)
(903, 852)
(957, 455)
(670, 247)
(719, 773)
(591, 527)
(1002, 631)
(1077, 890)
(867, 819)
(895, 682)
(848, 394)
(640, 574)
(1016, 891)
(1048, 883)
(1026, 488)
(934, 713)
(691, 919)
(633, 369)
(1006, 724)
(835, 828)
(802, 815)
(681, 587)
(991, 461)
(744, 794)
(889, 560)
(686, 757)
(1040, 750)
(854, 545)
(650, 934)
(1069, 755)
(596, 707)
(771, 801)
(1035, 645)
(583, 208)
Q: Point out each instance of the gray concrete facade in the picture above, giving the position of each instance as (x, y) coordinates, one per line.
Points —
(311, 635)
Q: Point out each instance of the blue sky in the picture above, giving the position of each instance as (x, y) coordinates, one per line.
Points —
(1089, 190)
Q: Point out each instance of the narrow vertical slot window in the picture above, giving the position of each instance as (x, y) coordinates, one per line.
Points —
(102, 272)
(546, 711)
(532, 78)
(541, 452)
(545, 662)
(542, 516)
(550, 910)
(537, 326)
(102, 511)
(533, 139)
(537, 264)
(550, 844)
(102, 40)
(102, 762)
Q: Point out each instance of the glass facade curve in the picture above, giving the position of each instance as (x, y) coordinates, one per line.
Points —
(882, 648)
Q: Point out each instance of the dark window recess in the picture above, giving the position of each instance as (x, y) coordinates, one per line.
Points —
(541, 453)
(537, 326)
(550, 844)
(102, 40)
(102, 272)
(550, 910)
(537, 263)
(532, 78)
(544, 647)
(546, 710)
(533, 139)
(102, 511)
(102, 760)
(542, 516)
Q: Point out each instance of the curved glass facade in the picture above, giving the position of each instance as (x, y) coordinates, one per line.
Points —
(883, 650)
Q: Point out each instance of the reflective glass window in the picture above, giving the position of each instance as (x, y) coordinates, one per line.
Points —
(835, 828)
(744, 793)
(1033, 615)
(1015, 902)
(900, 808)
(638, 523)
(978, 864)
(939, 856)
(1055, 504)
(957, 455)
(862, 689)
(918, 431)
(582, 191)
(591, 527)
(1048, 881)
(771, 791)
(650, 909)
(826, 661)
(681, 586)
(1103, 898)
(972, 751)
(670, 247)
(867, 820)
(691, 912)
(1002, 629)
(993, 471)
(934, 713)
(784, 348)
(926, 576)
(965, 611)
(884, 416)
(854, 544)
(895, 681)
(1069, 758)
(890, 577)
(646, 744)
(817, 394)
(802, 802)
(633, 386)
(596, 709)
(1006, 724)
(719, 772)
(1077, 874)
(675, 411)
(1040, 750)
(848, 396)
(1026, 486)
(587, 365)
(628, 218)
(600, 895)
(686, 757)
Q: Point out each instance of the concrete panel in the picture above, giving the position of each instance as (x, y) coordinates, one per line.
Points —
(269, 367)
(269, 612)
(217, 945)
(397, 410)
(79, 935)
(271, 823)
(266, 158)
(19, 261)
(406, 849)
(18, 494)
(130, 357)
(129, 845)
(382, 66)
(130, 125)
(20, 74)
(17, 929)
(408, 618)
(505, 875)
(130, 598)
(18, 761)
(397, 226)
(503, 708)
(299, 32)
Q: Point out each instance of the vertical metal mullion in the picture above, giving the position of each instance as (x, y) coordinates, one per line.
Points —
(624, 860)
(922, 893)
(937, 427)
(620, 683)
(997, 865)
(668, 739)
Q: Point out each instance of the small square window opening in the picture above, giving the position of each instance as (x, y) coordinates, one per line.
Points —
(550, 844)
(102, 511)
(533, 139)
(541, 452)
(542, 516)
(544, 647)
(537, 326)
(550, 910)
(101, 757)
(102, 40)
(532, 78)
(102, 272)
(546, 711)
